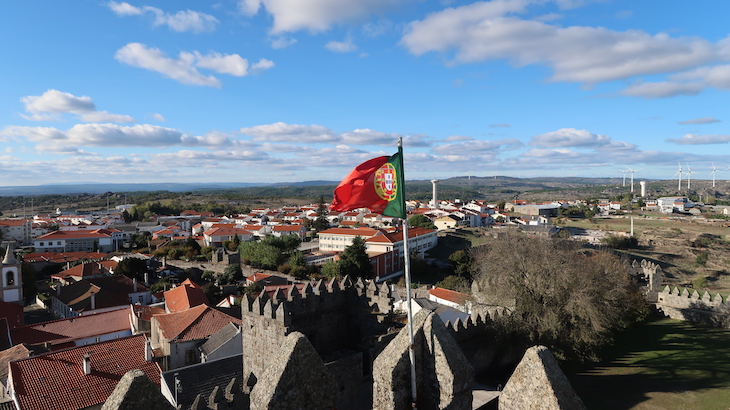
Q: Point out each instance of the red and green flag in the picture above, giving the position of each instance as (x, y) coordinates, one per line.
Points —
(376, 184)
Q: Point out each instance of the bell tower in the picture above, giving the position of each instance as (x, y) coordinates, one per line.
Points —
(11, 280)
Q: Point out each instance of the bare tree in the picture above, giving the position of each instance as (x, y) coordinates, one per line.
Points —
(559, 294)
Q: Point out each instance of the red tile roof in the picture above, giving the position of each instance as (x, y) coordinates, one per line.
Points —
(195, 323)
(13, 222)
(57, 381)
(258, 276)
(97, 233)
(394, 237)
(63, 332)
(288, 228)
(13, 313)
(450, 295)
(364, 232)
(86, 270)
(62, 257)
(184, 297)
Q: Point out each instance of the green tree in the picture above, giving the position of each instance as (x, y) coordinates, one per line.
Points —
(331, 269)
(462, 263)
(297, 259)
(231, 274)
(354, 260)
(559, 294)
(321, 223)
(132, 268)
(421, 221)
(453, 282)
(261, 254)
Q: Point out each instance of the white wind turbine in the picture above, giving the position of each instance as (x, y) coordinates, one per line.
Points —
(632, 177)
(624, 171)
(679, 181)
(714, 170)
(689, 177)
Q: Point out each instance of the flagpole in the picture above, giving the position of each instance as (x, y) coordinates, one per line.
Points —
(407, 267)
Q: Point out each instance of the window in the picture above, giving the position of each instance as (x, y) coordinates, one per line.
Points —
(189, 356)
(10, 278)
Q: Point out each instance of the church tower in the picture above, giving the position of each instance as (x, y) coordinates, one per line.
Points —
(11, 280)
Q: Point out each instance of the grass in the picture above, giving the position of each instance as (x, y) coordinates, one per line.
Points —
(661, 364)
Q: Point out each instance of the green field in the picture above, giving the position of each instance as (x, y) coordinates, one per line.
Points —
(661, 364)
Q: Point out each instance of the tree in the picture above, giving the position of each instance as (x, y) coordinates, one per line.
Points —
(321, 223)
(231, 274)
(560, 295)
(421, 221)
(261, 254)
(297, 259)
(132, 268)
(462, 262)
(331, 269)
(354, 260)
(456, 283)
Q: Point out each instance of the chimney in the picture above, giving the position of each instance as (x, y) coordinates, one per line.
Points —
(58, 288)
(87, 364)
(134, 285)
(147, 350)
(147, 278)
(93, 301)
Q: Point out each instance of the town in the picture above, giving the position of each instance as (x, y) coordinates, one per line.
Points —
(95, 295)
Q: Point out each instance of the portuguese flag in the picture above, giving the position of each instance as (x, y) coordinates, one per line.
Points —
(376, 184)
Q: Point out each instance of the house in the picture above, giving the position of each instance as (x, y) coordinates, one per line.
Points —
(224, 343)
(283, 230)
(448, 222)
(184, 297)
(177, 336)
(670, 204)
(98, 295)
(266, 279)
(17, 352)
(217, 235)
(78, 378)
(18, 230)
(451, 298)
(86, 271)
(103, 240)
(75, 331)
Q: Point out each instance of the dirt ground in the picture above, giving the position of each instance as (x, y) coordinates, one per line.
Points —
(677, 244)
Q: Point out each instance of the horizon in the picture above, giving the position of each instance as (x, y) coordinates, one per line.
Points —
(260, 91)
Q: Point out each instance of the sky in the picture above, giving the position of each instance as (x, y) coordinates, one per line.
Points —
(268, 91)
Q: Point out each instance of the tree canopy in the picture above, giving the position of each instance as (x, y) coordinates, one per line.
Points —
(560, 295)
(421, 221)
(354, 260)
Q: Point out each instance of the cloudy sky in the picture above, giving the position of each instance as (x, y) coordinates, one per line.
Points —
(296, 90)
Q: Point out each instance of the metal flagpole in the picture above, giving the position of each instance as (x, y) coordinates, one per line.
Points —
(407, 267)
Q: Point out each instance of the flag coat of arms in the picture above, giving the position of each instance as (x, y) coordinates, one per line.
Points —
(376, 184)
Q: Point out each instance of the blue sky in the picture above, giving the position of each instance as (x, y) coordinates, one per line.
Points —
(296, 90)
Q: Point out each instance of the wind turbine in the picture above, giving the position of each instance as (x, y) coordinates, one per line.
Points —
(714, 170)
(679, 181)
(632, 177)
(624, 171)
(689, 177)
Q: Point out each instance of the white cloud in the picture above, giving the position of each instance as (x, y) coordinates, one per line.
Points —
(158, 117)
(703, 120)
(663, 89)
(282, 42)
(478, 147)
(315, 15)
(187, 20)
(232, 64)
(367, 136)
(185, 68)
(103, 116)
(691, 139)
(282, 132)
(261, 65)
(458, 138)
(48, 134)
(341, 46)
(124, 9)
(488, 31)
(570, 137)
(51, 104)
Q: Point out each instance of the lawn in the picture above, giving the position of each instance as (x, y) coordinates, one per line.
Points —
(662, 364)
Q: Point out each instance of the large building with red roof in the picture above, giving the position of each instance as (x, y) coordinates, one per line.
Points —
(78, 378)
(103, 240)
(184, 297)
